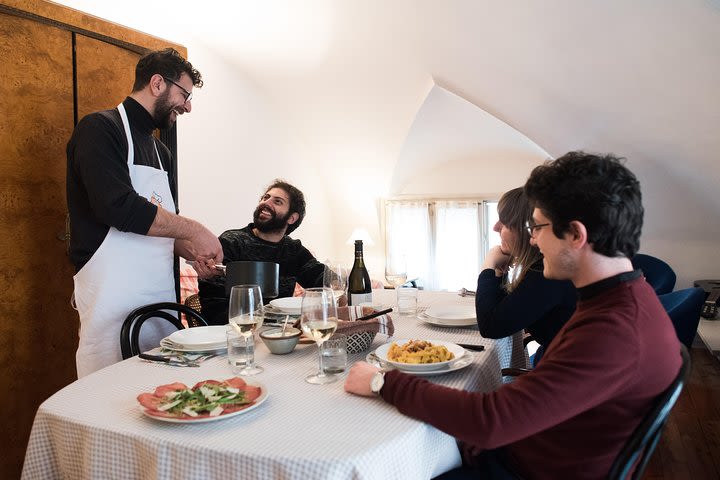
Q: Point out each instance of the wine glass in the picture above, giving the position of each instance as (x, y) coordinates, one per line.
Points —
(245, 315)
(318, 321)
(335, 277)
(395, 270)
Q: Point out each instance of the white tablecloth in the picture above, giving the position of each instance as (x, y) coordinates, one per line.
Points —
(94, 427)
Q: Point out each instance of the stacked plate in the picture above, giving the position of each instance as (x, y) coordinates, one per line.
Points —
(197, 339)
(286, 305)
(450, 315)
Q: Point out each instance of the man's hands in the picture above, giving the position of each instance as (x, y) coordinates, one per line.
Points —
(193, 241)
(205, 268)
(359, 378)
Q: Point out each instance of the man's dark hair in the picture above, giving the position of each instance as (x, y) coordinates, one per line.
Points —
(168, 63)
(597, 190)
(297, 201)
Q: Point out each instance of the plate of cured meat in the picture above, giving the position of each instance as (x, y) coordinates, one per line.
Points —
(206, 401)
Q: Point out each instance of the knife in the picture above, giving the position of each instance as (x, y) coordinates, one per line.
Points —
(467, 346)
(375, 314)
(168, 360)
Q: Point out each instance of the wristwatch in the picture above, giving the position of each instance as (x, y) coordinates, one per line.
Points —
(377, 382)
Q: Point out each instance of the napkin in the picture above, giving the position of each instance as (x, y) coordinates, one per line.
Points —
(348, 324)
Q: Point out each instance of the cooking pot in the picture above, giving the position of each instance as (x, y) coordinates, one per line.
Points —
(265, 274)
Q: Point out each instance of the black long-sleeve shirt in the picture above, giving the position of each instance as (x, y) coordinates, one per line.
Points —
(539, 305)
(100, 194)
(296, 262)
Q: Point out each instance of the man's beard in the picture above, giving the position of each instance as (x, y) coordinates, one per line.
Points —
(272, 224)
(163, 111)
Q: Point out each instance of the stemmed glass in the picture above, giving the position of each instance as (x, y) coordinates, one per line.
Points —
(318, 321)
(335, 277)
(395, 270)
(246, 314)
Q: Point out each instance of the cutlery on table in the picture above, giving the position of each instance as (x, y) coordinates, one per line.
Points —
(379, 361)
(464, 292)
(169, 360)
(376, 314)
(468, 346)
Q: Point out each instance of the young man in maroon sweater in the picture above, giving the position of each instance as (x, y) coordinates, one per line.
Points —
(572, 414)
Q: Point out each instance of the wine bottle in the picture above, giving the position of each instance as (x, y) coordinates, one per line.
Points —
(359, 287)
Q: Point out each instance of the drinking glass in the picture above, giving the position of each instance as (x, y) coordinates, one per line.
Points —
(335, 277)
(318, 321)
(395, 270)
(246, 314)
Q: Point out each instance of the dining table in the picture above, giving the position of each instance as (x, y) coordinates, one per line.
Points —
(95, 427)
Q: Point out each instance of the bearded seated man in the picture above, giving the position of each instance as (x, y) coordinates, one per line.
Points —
(280, 211)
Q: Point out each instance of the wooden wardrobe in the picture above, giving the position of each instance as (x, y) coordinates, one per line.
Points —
(58, 65)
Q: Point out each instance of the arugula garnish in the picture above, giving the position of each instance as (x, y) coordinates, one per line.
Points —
(208, 398)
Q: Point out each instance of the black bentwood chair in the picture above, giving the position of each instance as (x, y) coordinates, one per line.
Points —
(641, 444)
(130, 331)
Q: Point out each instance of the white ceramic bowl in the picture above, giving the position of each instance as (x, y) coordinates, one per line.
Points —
(278, 343)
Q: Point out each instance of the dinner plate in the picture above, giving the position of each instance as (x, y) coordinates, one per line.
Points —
(263, 396)
(450, 315)
(454, 365)
(382, 352)
(290, 305)
(196, 338)
(167, 344)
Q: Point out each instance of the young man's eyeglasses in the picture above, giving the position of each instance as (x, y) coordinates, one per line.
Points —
(532, 228)
(188, 95)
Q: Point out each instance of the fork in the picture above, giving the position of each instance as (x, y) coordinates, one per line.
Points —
(382, 363)
(168, 360)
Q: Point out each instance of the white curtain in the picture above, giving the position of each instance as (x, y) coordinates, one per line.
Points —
(457, 247)
(443, 241)
(408, 233)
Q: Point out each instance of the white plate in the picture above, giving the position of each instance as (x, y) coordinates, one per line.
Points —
(263, 396)
(382, 351)
(458, 364)
(169, 345)
(451, 315)
(290, 305)
(200, 337)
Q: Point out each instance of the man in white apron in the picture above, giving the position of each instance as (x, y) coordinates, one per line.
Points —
(118, 185)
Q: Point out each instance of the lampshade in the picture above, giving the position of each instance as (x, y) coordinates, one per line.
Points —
(360, 234)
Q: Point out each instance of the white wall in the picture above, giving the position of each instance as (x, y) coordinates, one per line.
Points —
(326, 92)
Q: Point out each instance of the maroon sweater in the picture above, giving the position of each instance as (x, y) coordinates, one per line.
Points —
(572, 414)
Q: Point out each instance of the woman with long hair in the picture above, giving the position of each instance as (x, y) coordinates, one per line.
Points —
(512, 293)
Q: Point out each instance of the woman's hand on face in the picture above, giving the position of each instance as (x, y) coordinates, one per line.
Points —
(496, 259)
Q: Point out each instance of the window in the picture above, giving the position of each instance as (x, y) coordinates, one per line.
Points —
(444, 241)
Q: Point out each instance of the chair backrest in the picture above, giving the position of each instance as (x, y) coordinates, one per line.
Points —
(684, 307)
(641, 444)
(658, 274)
(130, 331)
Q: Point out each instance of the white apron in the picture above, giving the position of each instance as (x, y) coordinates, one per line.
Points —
(126, 272)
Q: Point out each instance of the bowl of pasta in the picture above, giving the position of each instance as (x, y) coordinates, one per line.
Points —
(420, 355)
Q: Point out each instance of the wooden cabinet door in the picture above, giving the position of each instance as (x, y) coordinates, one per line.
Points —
(101, 84)
(38, 328)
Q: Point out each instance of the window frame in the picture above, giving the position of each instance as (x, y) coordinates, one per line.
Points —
(485, 215)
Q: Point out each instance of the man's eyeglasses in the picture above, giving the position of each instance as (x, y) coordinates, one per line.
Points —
(532, 228)
(188, 95)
